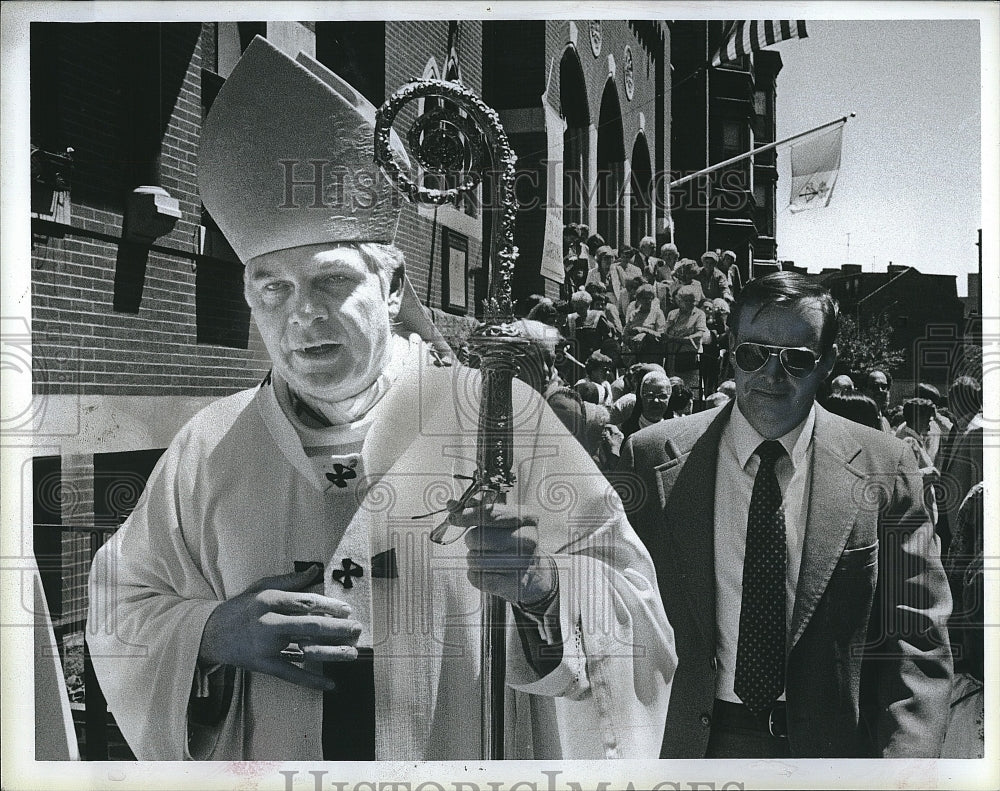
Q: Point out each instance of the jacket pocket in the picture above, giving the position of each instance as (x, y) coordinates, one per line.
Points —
(849, 595)
(857, 558)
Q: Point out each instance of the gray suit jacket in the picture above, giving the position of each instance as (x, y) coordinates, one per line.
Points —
(868, 661)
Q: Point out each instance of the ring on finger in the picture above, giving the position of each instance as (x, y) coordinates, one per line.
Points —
(292, 653)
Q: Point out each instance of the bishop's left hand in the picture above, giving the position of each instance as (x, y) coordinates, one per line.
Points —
(503, 554)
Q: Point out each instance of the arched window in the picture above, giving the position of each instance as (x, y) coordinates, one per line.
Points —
(640, 204)
(576, 138)
(610, 167)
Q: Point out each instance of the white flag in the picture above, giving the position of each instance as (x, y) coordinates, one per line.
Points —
(555, 128)
(815, 164)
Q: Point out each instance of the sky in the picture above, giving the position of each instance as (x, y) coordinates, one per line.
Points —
(909, 189)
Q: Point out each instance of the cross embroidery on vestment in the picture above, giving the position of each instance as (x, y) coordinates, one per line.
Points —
(344, 575)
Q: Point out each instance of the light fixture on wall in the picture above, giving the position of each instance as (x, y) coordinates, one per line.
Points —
(150, 212)
(51, 182)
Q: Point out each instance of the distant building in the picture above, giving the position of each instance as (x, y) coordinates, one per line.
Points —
(973, 298)
(925, 312)
(738, 211)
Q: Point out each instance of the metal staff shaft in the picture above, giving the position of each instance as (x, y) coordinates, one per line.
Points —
(470, 141)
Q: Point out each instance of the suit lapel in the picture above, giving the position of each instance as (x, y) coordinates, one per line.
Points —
(689, 509)
(832, 511)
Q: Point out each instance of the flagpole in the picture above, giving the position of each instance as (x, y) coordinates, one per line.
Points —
(767, 147)
(708, 104)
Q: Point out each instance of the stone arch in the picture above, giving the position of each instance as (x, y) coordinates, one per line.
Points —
(610, 167)
(576, 139)
(641, 192)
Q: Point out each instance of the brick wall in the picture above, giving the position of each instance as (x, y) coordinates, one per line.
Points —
(408, 48)
(85, 104)
(154, 352)
(77, 501)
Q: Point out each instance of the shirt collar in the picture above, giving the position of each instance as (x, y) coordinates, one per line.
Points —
(744, 438)
(291, 436)
(905, 431)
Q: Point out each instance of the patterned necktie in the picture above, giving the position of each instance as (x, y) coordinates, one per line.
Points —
(760, 652)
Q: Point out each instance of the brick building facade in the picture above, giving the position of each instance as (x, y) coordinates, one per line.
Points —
(729, 110)
(925, 313)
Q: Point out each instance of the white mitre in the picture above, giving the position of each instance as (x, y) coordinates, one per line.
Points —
(286, 159)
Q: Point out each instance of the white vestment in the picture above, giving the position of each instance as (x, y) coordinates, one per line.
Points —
(235, 498)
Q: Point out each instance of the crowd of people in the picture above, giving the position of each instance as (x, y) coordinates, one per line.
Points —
(945, 434)
(647, 304)
(635, 338)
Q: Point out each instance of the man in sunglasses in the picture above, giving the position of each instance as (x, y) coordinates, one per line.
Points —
(878, 384)
(795, 559)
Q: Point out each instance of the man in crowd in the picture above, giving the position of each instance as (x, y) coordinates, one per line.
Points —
(714, 282)
(647, 260)
(796, 562)
(731, 270)
(287, 587)
(962, 463)
(878, 384)
(940, 425)
(841, 384)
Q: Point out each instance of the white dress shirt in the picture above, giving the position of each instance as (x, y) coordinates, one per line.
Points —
(735, 471)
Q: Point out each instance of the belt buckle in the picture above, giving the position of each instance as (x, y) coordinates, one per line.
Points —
(773, 725)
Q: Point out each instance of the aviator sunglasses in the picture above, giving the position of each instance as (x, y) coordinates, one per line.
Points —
(797, 361)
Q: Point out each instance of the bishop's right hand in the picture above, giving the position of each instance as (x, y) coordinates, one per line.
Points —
(252, 629)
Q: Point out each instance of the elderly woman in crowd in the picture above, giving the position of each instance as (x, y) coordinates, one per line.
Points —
(686, 333)
(654, 392)
(600, 270)
(669, 256)
(586, 326)
(644, 326)
(615, 275)
(686, 274)
(629, 389)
